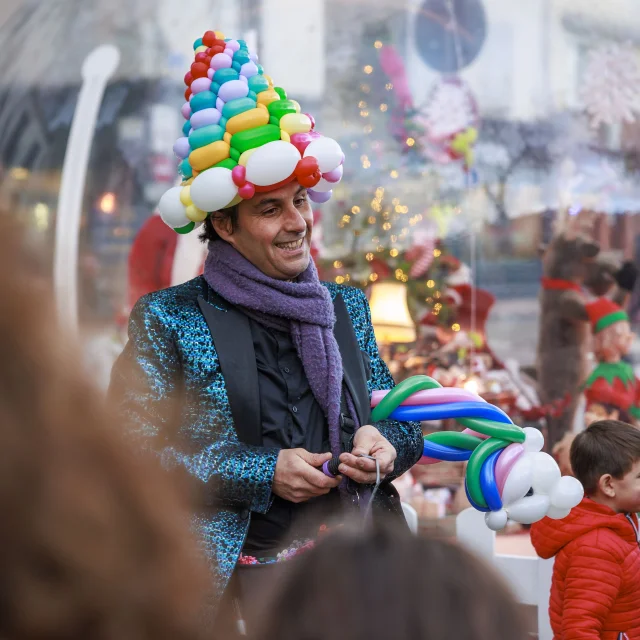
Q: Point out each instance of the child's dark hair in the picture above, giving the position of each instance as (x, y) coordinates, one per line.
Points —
(606, 447)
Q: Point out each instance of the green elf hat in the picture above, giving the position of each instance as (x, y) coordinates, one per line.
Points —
(242, 135)
(603, 313)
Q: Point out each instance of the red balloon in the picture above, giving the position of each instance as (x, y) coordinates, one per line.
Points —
(208, 38)
(201, 57)
(188, 79)
(187, 94)
(217, 49)
(199, 70)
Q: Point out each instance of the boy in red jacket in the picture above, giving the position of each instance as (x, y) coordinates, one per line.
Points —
(595, 592)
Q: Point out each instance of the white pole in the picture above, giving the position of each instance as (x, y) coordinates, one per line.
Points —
(97, 69)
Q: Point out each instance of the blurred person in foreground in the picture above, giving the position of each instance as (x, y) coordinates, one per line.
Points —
(274, 369)
(387, 584)
(595, 590)
(95, 540)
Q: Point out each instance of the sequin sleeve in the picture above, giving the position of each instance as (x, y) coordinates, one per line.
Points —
(406, 437)
(147, 389)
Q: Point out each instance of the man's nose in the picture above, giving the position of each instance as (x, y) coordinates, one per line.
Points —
(294, 220)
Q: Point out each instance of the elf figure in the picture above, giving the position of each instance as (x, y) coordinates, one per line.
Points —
(611, 389)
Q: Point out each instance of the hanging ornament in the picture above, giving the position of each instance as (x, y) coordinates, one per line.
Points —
(611, 86)
(421, 253)
(450, 109)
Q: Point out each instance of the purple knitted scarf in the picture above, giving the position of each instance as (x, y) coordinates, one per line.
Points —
(304, 308)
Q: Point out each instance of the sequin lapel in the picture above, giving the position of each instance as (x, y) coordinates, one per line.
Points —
(232, 339)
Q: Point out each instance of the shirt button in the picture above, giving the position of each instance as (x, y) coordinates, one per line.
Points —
(294, 409)
(286, 369)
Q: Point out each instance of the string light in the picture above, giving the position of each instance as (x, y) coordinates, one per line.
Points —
(394, 238)
(379, 248)
(428, 300)
(388, 86)
(395, 201)
(394, 174)
(366, 164)
(437, 296)
(398, 208)
(369, 257)
(337, 264)
(377, 44)
(437, 253)
(455, 327)
(362, 104)
(371, 219)
(383, 107)
(386, 226)
(339, 279)
(393, 253)
(410, 142)
(431, 284)
(368, 69)
(373, 277)
(355, 209)
(368, 129)
(346, 218)
(364, 113)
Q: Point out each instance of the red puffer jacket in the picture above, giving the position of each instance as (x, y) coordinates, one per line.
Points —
(595, 592)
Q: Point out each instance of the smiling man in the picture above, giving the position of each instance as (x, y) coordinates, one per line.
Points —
(255, 374)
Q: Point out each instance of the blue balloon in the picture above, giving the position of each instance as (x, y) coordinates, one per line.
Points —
(488, 484)
(450, 410)
(197, 43)
(186, 128)
(477, 507)
(444, 452)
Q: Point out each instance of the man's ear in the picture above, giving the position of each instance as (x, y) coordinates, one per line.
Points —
(605, 484)
(222, 225)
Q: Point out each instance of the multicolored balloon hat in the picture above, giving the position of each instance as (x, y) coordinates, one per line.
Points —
(242, 135)
(508, 476)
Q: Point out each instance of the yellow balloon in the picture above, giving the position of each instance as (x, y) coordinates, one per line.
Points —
(201, 48)
(205, 157)
(244, 158)
(235, 201)
(295, 123)
(285, 136)
(227, 137)
(296, 104)
(247, 120)
(472, 134)
(185, 196)
(193, 213)
(269, 79)
(262, 106)
(268, 96)
(219, 35)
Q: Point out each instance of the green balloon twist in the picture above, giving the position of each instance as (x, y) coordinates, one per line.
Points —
(504, 430)
(455, 439)
(477, 459)
(400, 393)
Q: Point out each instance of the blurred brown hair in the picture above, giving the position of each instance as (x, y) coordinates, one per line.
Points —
(387, 583)
(606, 446)
(94, 541)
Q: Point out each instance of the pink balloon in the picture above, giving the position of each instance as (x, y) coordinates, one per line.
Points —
(441, 395)
(471, 432)
(232, 90)
(319, 197)
(234, 45)
(249, 69)
(229, 52)
(301, 141)
(186, 110)
(210, 74)
(200, 84)
(219, 104)
(205, 117)
(221, 61)
(506, 461)
(427, 460)
(334, 176)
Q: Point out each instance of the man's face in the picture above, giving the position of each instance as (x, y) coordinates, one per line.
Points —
(274, 231)
(627, 490)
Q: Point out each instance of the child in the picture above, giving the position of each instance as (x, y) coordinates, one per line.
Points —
(595, 592)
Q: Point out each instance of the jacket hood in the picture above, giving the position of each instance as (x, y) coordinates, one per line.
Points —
(549, 536)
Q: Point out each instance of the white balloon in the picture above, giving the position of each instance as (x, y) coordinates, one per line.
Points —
(530, 509)
(324, 186)
(172, 211)
(567, 493)
(546, 473)
(327, 152)
(213, 189)
(272, 163)
(534, 440)
(496, 520)
(557, 514)
(518, 481)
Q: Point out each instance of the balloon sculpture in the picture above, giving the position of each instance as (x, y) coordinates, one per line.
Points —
(242, 135)
(508, 476)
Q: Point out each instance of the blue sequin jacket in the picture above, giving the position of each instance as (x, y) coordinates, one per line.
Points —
(168, 385)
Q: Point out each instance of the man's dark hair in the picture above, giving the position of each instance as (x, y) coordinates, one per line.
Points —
(209, 233)
(606, 447)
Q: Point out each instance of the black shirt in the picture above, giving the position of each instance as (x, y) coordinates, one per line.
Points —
(291, 418)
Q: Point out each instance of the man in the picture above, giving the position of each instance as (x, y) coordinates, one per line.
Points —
(255, 374)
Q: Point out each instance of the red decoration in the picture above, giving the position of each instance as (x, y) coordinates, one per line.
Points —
(187, 94)
(188, 79)
(556, 284)
(201, 57)
(238, 174)
(199, 70)
(209, 38)
(307, 172)
(217, 49)
(247, 191)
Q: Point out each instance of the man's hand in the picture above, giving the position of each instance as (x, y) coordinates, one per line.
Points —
(368, 441)
(298, 478)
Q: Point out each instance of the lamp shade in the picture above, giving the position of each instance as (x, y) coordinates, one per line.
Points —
(390, 314)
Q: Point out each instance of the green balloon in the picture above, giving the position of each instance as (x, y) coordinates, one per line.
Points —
(252, 138)
(279, 108)
(185, 169)
(227, 163)
(281, 92)
(455, 439)
(258, 84)
(503, 430)
(235, 154)
(188, 228)
(477, 459)
(400, 393)
(205, 135)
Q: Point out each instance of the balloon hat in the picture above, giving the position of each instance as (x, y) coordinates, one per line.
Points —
(242, 135)
(508, 476)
